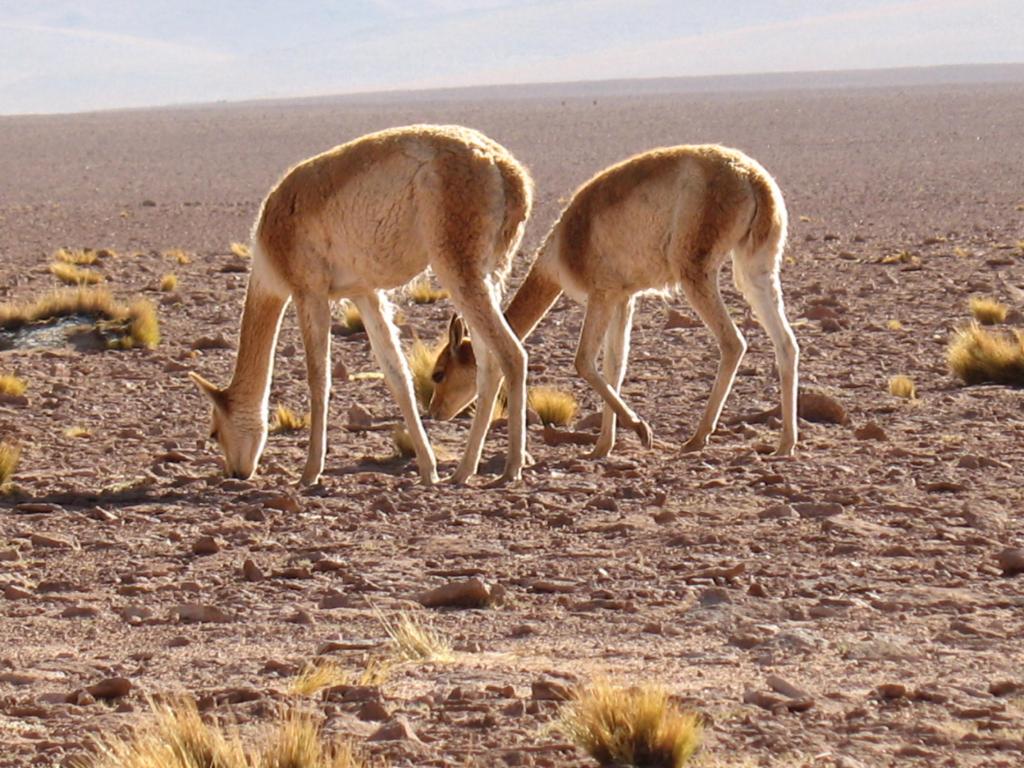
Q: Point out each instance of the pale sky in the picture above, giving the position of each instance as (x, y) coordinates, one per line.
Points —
(74, 55)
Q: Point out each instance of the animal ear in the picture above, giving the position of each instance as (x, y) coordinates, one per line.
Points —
(456, 331)
(217, 395)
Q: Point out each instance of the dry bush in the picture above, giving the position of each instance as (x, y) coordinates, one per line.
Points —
(287, 420)
(178, 255)
(131, 326)
(630, 726)
(555, 407)
(12, 386)
(402, 442)
(10, 455)
(422, 291)
(241, 250)
(317, 676)
(421, 363)
(894, 325)
(168, 282)
(902, 386)
(351, 321)
(69, 274)
(412, 640)
(988, 311)
(175, 736)
(79, 257)
(978, 355)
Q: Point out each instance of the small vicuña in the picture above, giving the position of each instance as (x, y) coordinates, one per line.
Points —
(358, 220)
(662, 220)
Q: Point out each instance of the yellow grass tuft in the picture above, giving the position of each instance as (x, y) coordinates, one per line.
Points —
(178, 255)
(902, 257)
(631, 726)
(175, 736)
(413, 640)
(77, 431)
(894, 325)
(10, 455)
(79, 257)
(978, 355)
(12, 386)
(402, 441)
(241, 250)
(555, 407)
(287, 420)
(351, 320)
(988, 311)
(168, 282)
(902, 386)
(421, 362)
(69, 274)
(319, 675)
(133, 325)
(422, 291)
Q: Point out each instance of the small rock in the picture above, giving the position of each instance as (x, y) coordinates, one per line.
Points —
(870, 431)
(212, 342)
(892, 691)
(777, 512)
(13, 592)
(471, 593)
(1005, 687)
(1011, 561)
(816, 509)
(284, 503)
(251, 571)
(359, 418)
(9, 555)
(822, 408)
(52, 542)
(111, 688)
(205, 545)
(79, 612)
(549, 690)
(196, 612)
(676, 319)
(373, 711)
(395, 730)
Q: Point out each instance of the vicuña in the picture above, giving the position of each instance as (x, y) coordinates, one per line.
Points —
(358, 220)
(659, 221)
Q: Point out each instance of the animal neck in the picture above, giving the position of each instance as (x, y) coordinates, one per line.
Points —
(532, 301)
(254, 366)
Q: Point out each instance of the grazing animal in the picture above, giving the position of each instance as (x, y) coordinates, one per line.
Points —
(659, 221)
(355, 221)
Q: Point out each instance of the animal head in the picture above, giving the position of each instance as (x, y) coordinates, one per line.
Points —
(240, 439)
(454, 374)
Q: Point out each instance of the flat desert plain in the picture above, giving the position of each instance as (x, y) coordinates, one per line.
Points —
(863, 573)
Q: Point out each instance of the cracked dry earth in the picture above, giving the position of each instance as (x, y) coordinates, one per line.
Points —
(863, 573)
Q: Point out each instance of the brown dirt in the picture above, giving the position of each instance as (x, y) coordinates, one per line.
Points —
(865, 563)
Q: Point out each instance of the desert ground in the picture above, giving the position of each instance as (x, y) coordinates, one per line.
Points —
(863, 572)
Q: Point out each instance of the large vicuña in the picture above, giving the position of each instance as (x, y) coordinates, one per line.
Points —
(661, 220)
(353, 222)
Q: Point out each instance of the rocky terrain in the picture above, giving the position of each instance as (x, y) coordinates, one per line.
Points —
(846, 608)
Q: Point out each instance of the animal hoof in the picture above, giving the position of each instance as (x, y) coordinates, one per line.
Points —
(694, 444)
(599, 452)
(309, 478)
(506, 479)
(784, 452)
(430, 479)
(643, 431)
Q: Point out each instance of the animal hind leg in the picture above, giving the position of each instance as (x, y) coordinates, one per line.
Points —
(757, 277)
(384, 341)
(702, 292)
(314, 314)
(616, 354)
(601, 309)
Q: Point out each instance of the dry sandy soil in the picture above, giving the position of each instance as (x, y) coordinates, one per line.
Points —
(863, 572)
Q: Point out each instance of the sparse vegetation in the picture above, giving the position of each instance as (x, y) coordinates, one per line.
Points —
(978, 355)
(988, 311)
(319, 675)
(12, 386)
(422, 291)
(351, 321)
(241, 250)
(421, 362)
(630, 726)
(555, 407)
(78, 257)
(125, 326)
(168, 282)
(412, 640)
(175, 736)
(894, 325)
(10, 455)
(69, 274)
(902, 257)
(902, 386)
(76, 432)
(178, 255)
(287, 420)
(402, 441)
(961, 252)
